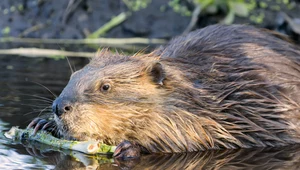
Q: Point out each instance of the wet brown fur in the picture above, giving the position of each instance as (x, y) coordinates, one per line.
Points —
(218, 87)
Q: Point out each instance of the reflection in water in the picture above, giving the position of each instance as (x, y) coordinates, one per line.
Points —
(269, 158)
(19, 96)
(10, 158)
(261, 158)
(21, 100)
(13, 160)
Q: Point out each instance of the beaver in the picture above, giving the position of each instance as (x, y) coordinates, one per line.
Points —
(220, 87)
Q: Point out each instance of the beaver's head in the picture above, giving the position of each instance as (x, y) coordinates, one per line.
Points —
(138, 98)
(111, 99)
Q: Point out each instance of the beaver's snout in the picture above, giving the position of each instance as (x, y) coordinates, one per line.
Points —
(61, 106)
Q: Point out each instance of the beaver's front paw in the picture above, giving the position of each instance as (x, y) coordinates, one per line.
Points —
(127, 150)
(43, 124)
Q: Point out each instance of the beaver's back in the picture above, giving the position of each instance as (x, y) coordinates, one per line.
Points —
(241, 49)
(250, 77)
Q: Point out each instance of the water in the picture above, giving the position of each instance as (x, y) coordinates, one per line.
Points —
(22, 99)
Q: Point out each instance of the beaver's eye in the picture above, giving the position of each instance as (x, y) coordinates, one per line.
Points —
(105, 87)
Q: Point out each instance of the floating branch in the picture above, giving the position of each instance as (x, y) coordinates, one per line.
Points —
(37, 52)
(99, 41)
(133, 44)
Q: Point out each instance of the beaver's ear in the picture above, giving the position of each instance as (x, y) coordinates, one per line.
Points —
(157, 72)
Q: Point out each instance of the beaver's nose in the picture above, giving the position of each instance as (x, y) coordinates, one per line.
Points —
(61, 106)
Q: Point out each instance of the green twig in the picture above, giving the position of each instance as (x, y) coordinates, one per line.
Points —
(109, 25)
(88, 147)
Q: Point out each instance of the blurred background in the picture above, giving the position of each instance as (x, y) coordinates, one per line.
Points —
(161, 19)
(42, 41)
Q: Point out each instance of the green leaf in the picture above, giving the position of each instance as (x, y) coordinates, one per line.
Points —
(5, 30)
(240, 9)
(205, 3)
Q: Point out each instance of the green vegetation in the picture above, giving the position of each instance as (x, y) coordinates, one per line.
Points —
(5, 31)
(263, 4)
(136, 5)
(258, 18)
(181, 9)
(20, 7)
(232, 8)
(57, 57)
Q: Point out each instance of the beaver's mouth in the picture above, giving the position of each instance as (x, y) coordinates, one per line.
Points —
(66, 131)
(63, 129)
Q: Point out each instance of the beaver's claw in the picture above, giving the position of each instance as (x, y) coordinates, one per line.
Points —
(41, 124)
(127, 150)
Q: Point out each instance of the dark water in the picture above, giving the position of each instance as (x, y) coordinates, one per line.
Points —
(22, 99)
